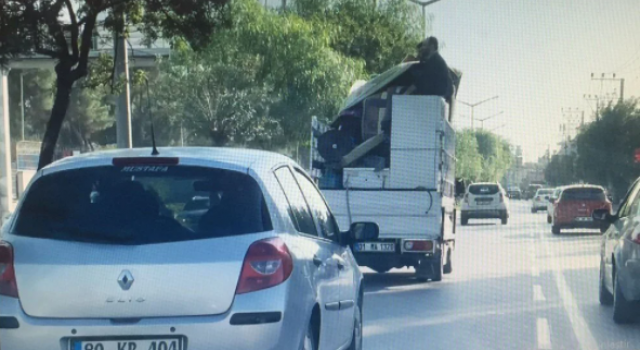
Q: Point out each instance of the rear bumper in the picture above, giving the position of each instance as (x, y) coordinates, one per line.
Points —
(399, 259)
(198, 332)
(573, 223)
(484, 213)
(539, 206)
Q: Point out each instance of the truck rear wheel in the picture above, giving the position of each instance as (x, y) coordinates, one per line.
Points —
(437, 271)
(448, 267)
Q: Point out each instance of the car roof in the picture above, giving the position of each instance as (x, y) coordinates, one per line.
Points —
(586, 186)
(227, 158)
(483, 183)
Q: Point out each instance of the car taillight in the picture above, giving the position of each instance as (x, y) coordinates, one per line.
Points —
(267, 264)
(418, 246)
(466, 198)
(501, 197)
(8, 286)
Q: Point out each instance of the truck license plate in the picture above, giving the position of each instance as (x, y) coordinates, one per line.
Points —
(375, 247)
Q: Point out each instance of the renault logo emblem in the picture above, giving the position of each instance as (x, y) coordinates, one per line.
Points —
(125, 280)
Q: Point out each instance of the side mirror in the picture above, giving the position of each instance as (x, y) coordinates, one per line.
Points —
(603, 215)
(364, 231)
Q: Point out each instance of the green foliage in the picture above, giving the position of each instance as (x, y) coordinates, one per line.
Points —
(482, 156)
(380, 35)
(469, 164)
(216, 95)
(606, 147)
(561, 170)
(308, 76)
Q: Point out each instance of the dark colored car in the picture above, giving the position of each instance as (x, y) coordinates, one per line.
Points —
(620, 257)
(575, 206)
(514, 193)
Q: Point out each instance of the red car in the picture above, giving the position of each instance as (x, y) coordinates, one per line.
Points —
(574, 207)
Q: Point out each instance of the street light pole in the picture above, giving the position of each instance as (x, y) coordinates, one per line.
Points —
(498, 127)
(474, 105)
(487, 118)
(22, 101)
(424, 5)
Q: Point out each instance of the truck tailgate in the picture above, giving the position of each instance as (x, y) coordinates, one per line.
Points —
(399, 214)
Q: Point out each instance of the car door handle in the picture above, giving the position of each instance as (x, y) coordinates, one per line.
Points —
(317, 261)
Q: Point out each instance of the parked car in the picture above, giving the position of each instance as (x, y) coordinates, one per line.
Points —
(575, 206)
(264, 267)
(514, 193)
(541, 199)
(620, 257)
(530, 192)
(553, 199)
(485, 201)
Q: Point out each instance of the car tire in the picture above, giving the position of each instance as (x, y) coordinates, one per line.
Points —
(464, 221)
(504, 220)
(623, 310)
(549, 219)
(555, 230)
(356, 338)
(606, 298)
(533, 211)
(448, 267)
(309, 340)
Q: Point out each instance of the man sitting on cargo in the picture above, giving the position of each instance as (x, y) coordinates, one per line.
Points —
(432, 75)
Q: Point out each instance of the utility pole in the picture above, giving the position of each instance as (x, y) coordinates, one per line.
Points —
(572, 119)
(474, 105)
(606, 77)
(123, 104)
(424, 5)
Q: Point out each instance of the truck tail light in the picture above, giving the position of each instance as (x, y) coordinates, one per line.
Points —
(418, 246)
(8, 285)
(267, 264)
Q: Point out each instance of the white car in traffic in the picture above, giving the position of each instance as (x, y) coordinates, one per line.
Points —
(541, 199)
(486, 200)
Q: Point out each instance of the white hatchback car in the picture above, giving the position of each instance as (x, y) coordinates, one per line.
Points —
(541, 199)
(99, 256)
(486, 200)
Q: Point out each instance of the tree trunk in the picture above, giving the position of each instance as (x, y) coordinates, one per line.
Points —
(64, 87)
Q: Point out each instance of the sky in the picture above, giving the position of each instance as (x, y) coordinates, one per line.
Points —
(537, 56)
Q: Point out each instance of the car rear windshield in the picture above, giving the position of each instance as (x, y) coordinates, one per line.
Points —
(484, 189)
(142, 205)
(592, 194)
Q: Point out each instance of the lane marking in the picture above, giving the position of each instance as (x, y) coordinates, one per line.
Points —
(537, 293)
(544, 335)
(580, 327)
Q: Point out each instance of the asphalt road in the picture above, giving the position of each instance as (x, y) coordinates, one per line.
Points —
(513, 287)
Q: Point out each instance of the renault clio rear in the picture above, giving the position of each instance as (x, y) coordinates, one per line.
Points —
(97, 258)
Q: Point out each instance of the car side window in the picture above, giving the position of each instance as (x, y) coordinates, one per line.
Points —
(298, 208)
(631, 203)
(321, 212)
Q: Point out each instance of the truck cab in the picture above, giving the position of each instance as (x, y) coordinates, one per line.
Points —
(389, 158)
